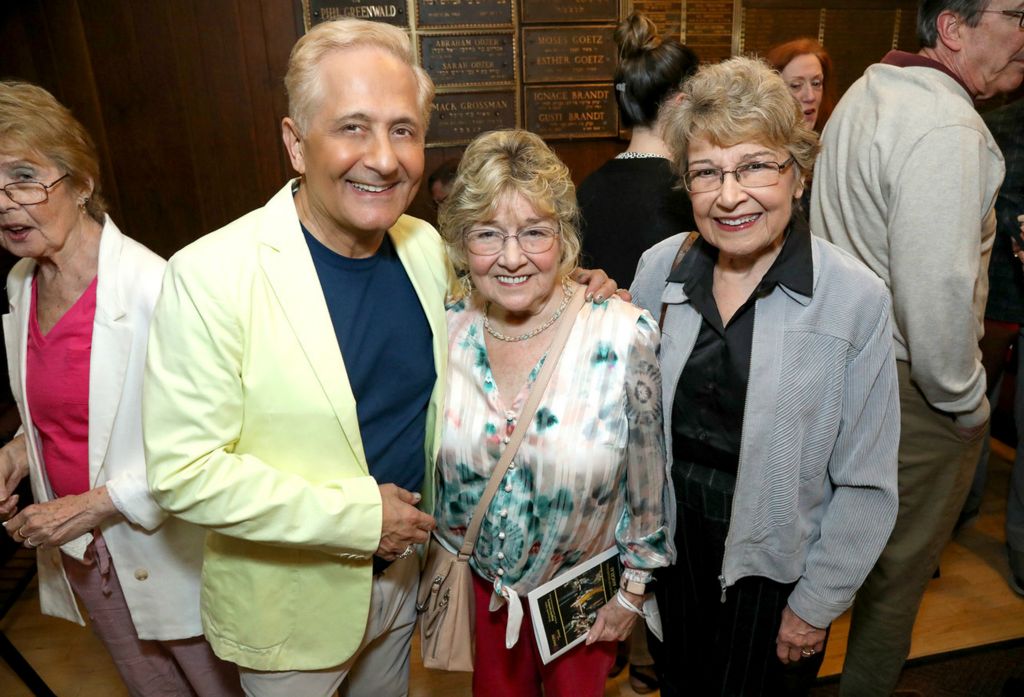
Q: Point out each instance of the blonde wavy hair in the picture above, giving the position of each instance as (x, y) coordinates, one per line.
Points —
(740, 100)
(496, 166)
(32, 119)
(302, 81)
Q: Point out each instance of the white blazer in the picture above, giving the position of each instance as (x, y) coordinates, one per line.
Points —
(157, 559)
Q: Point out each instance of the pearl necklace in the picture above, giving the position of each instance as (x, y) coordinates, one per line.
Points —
(634, 155)
(566, 296)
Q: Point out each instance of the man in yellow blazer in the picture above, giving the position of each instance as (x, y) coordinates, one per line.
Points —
(294, 378)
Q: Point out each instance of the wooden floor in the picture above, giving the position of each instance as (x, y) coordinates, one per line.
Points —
(969, 605)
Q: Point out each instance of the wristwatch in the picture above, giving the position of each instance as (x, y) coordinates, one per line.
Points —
(634, 587)
(635, 581)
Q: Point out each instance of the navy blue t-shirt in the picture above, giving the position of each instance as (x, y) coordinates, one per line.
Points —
(386, 344)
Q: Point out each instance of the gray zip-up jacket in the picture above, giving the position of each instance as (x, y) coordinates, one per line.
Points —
(816, 495)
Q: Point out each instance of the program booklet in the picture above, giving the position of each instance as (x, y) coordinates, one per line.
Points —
(563, 609)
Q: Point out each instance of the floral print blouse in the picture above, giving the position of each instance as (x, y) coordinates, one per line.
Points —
(590, 472)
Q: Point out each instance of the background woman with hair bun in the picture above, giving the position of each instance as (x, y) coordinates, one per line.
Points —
(630, 202)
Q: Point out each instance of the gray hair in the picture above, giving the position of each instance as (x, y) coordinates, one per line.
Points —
(302, 80)
(928, 12)
(739, 100)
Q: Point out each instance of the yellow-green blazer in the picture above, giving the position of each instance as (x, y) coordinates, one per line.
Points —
(250, 430)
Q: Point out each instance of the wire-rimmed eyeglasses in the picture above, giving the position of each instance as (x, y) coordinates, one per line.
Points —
(29, 193)
(752, 175)
(534, 240)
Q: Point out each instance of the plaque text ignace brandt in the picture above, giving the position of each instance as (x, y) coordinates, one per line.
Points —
(571, 111)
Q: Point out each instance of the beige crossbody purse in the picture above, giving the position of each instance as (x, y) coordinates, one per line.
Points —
(445, 600)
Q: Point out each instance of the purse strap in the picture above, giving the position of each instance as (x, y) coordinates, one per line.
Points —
(532, 402)
(683, 249)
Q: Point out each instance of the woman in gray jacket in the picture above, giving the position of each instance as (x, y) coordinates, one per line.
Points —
(780, 400)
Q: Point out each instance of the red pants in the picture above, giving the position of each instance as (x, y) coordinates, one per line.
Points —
(519, 672)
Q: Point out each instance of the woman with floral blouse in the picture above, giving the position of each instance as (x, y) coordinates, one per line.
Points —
(590, 472)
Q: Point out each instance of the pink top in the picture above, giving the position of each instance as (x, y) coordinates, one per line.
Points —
(57, 389)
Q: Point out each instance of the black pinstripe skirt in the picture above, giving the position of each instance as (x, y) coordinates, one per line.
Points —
(718, 645)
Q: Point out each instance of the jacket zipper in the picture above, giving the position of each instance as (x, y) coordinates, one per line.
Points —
(739, 462)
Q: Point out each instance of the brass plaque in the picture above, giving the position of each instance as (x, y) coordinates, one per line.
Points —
(568, 54)
(450, 13)
(389, 11)
(469, 60)
(570, 10)
(571, 111)
(460, 117)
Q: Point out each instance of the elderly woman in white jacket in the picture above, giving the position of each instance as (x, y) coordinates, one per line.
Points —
(81, 299)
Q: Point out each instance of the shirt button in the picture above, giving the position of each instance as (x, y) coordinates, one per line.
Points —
(702, 435)
(501, 572)
(141, 574)
(501, 555)
(501, 536)
(504, 513)
(508, 488)
(506, 440)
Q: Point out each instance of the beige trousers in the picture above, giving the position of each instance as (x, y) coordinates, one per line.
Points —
(379, 668)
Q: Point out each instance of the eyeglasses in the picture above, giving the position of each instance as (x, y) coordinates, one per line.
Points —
(29, 193)
(752, 175)
(1019, 14)
(488, 242)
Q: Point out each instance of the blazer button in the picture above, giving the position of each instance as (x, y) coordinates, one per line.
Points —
(141, 574)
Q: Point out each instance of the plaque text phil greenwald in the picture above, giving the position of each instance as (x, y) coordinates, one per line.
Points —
(392, 12)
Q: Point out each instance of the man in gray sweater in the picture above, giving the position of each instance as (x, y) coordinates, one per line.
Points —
(906, 182)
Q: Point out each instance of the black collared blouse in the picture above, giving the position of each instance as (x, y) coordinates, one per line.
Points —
(707, 414)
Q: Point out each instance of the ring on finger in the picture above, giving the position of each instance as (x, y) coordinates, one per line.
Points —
(408, 551)
(807, 652)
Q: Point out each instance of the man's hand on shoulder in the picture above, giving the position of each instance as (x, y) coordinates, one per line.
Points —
(402, 523)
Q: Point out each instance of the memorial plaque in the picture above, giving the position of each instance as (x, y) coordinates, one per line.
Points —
(389, 11)
(571, 111)
(666, 14)
(568, 54)
(569, 11)
(460, 117)
(763, 28)
(469, 60)
(451, 13)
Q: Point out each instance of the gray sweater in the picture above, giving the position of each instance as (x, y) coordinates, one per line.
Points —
(906, 182)
(816, 495)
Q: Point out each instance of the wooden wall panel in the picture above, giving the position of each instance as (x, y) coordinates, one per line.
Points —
(184, 99)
